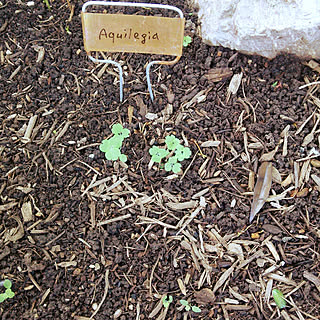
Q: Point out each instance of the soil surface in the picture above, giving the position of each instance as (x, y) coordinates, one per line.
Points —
(83, 237)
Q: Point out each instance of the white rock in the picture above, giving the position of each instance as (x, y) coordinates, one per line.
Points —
(264, 27)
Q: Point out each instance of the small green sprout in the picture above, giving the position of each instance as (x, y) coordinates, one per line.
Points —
(68, 30)
(111, 147)
(120, 131)
(176, 152)
(166, 302)
(46, 2)
(183, 152)
(188, 307)
(186, 41)
(8, 292)
(173, 165)
(274, 84)
(279, 298)
(172, 142)
(157, 154)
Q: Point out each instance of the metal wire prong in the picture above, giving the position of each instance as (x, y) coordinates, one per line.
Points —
(120, 72)
(168, 63)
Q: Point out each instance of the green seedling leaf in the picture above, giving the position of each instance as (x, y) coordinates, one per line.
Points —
(184, 302)
(46, 2)
(166, 302)
(186, 41)
(118, 130)
(113, 153)
(157, 153)
(172, 142)
(279, 298)
(173, 165)
(123, 157)
(196, 309)
(7, 284)
(9, 293)
(274, 84)
(3, 297)
(182, 152)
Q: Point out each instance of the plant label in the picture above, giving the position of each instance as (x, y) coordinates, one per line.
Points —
(132, 33)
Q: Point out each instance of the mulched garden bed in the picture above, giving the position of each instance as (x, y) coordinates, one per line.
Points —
(83, 237)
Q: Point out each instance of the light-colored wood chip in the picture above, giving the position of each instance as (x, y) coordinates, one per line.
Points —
(224, 277)
(276, 176)
(210, 143)
(26, 211)
(182, 205)
(312, 278)
(281, 278)
(182, 287)
(261, 189)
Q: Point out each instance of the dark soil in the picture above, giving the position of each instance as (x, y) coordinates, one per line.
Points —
(62, 258)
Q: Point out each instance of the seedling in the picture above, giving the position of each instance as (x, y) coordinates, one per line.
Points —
(166, 302)
(112, 146)
(157, 154)
(182, 152)
(177, 151)
(172, 142)
(8, 292)
(189, 307)
(279, 298)
(46, 2)
(173, 165)
(186, 41)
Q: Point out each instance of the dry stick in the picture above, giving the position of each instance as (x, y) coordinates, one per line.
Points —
(106, 288)
(91, 168)
(189, 166)
(151, 275)
(309, 84)
(101, 223)
(303, 125)
(28, 132)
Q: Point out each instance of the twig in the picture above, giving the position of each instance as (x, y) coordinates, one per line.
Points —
(106, 288)
(309, 84)
(101, 223)
(28, 132)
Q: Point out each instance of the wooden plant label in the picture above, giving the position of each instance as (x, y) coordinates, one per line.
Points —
(132, 33)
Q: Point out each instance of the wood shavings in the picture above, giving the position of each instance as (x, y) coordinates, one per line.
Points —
(276, 176)
(183, 205)
(27, 135)
(210, 143)
(312, 278)
(304, 123)
(270, 155)
(234, 85)
(315, 178)
(284, 134)
(218, 74)
(106, 288)
(202, 205)
(262, 188)
(204, 296)
(310, 136)
(281, 278)
(41, 52)
(224, 277)
(182, 287)
(237, 295)
(26, 211)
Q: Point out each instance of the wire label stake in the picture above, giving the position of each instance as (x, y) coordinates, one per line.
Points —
(132, 33)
